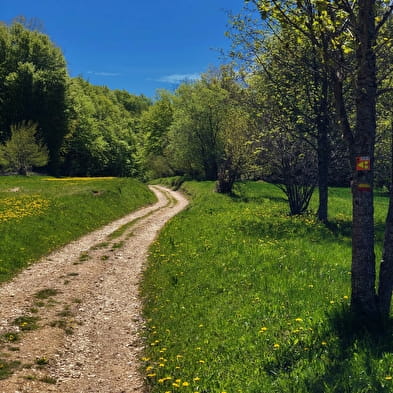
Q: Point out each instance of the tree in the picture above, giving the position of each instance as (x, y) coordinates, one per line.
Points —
(102, 136)
(153, 129)
(194, 136)
(33, 77)
(284, 159)
(347, 33)
(23, 151)
(297, 77)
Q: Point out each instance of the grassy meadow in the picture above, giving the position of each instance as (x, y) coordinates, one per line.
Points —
(39, 214)
(241, 298)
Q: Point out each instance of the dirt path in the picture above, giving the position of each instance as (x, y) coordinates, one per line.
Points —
(84, 301)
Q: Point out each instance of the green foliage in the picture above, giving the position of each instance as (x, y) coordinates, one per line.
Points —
(154, 126)
(240, 297)
(33, 77)
(62, 209)
(88, 130)
(209, 137)
(23, 151)
(194, 134)
(102, 139)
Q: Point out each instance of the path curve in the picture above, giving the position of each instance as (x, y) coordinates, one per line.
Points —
(88, 337)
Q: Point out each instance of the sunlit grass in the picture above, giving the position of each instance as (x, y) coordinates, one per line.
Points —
(39, 214)
(240, 297)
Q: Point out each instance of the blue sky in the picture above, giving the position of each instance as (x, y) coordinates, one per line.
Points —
(139, 46)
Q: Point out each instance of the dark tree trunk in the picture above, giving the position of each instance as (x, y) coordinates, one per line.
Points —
(226, 177)
(210, 168)
(22, 171)
(323, 148)
(323, 160)
(364, 299)
(386, 269)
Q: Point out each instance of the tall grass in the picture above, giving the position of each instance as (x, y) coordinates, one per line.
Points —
(240, 297)
(39, 214)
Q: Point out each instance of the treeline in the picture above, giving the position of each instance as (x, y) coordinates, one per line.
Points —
(88, 130)
(274, 118)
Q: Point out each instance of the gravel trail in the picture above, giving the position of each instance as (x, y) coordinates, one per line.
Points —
(84, 299)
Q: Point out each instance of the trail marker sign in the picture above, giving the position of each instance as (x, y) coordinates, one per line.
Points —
(364, 187)
(363, 163)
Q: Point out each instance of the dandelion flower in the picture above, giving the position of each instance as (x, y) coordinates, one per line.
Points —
(388, 377)
(185, 383)
(276, 346)
(299, 320)
(263, 329)
(324, 343)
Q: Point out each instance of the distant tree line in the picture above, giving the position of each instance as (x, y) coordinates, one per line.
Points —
(274, 118)
(87, 130)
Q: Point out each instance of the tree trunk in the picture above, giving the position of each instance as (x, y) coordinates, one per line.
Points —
(323, 159)
(226, 177)
(22, 171)
(386, 268)
(323, 148)
(364, 299)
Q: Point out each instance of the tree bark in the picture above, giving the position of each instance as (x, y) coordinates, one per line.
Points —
(386, 269)
(323, 153)
(364, 298)
(323, 148)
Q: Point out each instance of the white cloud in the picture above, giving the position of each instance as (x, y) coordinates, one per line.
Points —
(178, 78)
(103, 73)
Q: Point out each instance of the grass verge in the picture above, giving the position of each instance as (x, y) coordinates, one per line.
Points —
(240, 297)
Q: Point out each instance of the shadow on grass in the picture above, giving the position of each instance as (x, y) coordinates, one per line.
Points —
(351, 364)
(361, 348)
(353, 360)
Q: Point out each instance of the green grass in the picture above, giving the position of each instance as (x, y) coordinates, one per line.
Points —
(39, 214)
(240, 297)
(7, 368)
